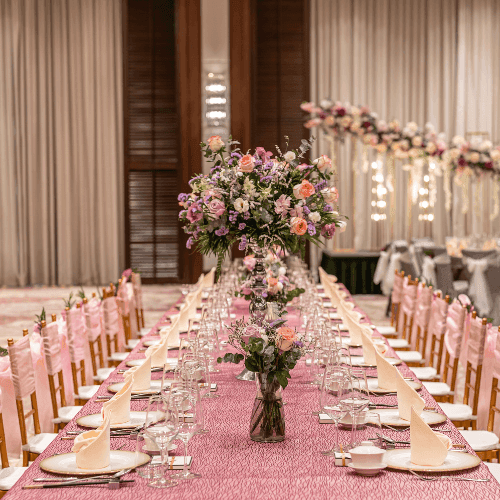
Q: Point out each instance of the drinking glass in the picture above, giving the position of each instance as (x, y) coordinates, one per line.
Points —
(188, 408)
(367, 428)
(332, 389)
(161, 433)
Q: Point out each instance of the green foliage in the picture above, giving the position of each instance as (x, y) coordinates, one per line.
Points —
(69, 302)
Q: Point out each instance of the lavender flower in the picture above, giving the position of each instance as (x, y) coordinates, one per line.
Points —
(311, 229)
(189, 243)
(321, 185)
(243, 242)
(246, 215)
(242, 226)
(222, 231)
(306, 211)
(328, 208)
(182, 197)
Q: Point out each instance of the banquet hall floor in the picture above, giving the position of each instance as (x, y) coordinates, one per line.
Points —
(18, 306)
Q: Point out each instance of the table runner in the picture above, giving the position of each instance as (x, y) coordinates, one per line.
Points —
(234, 467)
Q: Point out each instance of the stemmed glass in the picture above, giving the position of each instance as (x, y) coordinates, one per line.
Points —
(356, 397)
(332, 390)
(161, 432)
(188, 406)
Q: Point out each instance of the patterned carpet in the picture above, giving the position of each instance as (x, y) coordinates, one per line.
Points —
(18, 306)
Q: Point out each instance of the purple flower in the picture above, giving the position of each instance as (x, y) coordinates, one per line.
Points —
(182, 213)
(222, 231)
(298, 343)
(328, 231)
(266, 178)
(189, 243)
(243, 242)
(246, 215)
(242, 226)
(311, 229)
(182, 197)
(321, 185)
(235, 155)
(233, 216)
(194, 213)
(306, 211)
(264, 294)
(328, 208)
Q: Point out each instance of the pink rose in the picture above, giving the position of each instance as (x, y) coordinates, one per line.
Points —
(264, 155)
(127, 273)
(299, 226)
(215, 143)
(251, 331)
(217, 207)
(330, 195)
(194, 213)
(328, 231)
(303, 190)
(285, 339)
(315, 122)
(249, 262)
(246, 163)
(307, 106)
(323, 163)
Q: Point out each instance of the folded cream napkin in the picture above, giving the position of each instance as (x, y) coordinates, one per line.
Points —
(357, 330)
(158, 353)
(92, 447)
(387, 374)
(370, 350)
(427, 447)
(141, 376)
(118, 407)
(408, 398)
(172, 332)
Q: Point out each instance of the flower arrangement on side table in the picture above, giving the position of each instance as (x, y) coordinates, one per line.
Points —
(270, 350)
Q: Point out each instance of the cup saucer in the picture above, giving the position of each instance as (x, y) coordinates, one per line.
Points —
(367, 470)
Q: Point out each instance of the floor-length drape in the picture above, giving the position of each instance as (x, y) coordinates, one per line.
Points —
(432, 61)
(61, 141)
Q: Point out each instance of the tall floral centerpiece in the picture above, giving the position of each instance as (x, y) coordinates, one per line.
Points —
(270, 350)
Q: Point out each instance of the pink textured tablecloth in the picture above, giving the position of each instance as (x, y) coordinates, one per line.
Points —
(234, 467)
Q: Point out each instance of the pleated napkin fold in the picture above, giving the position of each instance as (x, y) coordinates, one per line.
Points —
(387, 374)
(159, 353)
(408, 398)
(118, 407)
(141, 376)
(370, 349)
(427, 447)
(92, 447)
(357, 330)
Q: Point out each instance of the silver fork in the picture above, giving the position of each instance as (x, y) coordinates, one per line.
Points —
(453, 478)
(71, 479)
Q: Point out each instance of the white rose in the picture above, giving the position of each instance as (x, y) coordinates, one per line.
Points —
(342, 227)
(474, 157)
(323, 163)
(495, 154)
(417, 141)
(264, 337)
(345, 121)
(431, 148)
(296, 192)
(289, 156)
(279, 286)
(241, 205)
(326, 103)
(314, 216)
(458, 140)
(412, 126)
(282, 271)
(485, 146)
(215, 143)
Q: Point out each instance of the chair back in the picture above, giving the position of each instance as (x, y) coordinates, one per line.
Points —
(444, 274)
(396, 296)
(139, 307)
(75, 324)
(110, 319)
(455, 326)
(3, 445)
(410, 289)
(475, 356)
(422, 316)
(479, 254)
(406, 264)
(92, 316)
(436, 330)
(123, 303)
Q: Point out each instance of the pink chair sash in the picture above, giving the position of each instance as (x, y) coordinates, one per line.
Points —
(409, 299)
(92, 315)
(455, 325)
(476, 342)
(21, 364)
(137, 284)
(66, 360)
(422, 311)
(122, 299)
(112, 322)
(397, 289)
(437, 321)
(76, 335)
(491, 369)
(52, 348)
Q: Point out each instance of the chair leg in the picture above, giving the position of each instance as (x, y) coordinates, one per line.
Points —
(26, 458)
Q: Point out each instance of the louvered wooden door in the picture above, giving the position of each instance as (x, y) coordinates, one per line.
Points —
(161, 79)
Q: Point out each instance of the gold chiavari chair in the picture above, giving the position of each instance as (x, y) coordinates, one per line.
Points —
(139, 311)
(62, 413)
(95, 346)
(8, 475)
(422, 333)
(78, 368)
(395, 306)
(33, 446)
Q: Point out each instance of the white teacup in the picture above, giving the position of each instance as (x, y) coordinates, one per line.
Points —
(366, 455)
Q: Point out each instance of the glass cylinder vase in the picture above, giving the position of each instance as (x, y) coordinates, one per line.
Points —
(267, 424)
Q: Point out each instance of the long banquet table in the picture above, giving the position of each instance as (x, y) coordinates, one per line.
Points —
(234, 467)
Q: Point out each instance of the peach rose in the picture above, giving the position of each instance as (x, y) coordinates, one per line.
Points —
(299, 226)
(246, 163)
(330, 195)
(286, 338)
(323, 163)
(215, 143)
(272, 281)
(303, 190)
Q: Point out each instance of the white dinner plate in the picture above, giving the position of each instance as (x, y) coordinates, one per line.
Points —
(151, 342)
(373, 386)
(335, 315)
(347, 342)
(359, 361)
(154, 387)
(118, 460)
(455, 460)
(136, 418)
(322, 294)
(140, 362)
(343, 327)
(390, 416)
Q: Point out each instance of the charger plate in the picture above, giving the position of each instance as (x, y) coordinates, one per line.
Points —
(137, 418)
(140, 362)
(347, 342)
(359, 361)
(118, 460)
(390, 416)
(154, 387)
(455, 460)
(373, 386)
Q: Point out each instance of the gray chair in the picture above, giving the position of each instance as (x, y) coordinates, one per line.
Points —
(444, 277)
(480, 254)
(407, 266)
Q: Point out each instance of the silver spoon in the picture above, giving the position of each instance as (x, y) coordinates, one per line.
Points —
(453, 478)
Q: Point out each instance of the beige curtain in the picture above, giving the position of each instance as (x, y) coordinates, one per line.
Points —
(61, 142)
(432, 61)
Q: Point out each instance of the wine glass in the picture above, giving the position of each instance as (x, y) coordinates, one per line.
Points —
(332, 389)
(188, 406)
(161, 433)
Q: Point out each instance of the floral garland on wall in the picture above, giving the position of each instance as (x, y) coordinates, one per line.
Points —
(414, 145)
